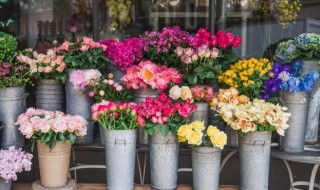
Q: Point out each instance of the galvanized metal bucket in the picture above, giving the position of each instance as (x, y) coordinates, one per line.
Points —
(5, 185)
(12, 104)
(120, 151)
(297, 104)
(254, 150)
(164, 159)
(206, 168)
(311, 136)
(140, 96)
(201, 113)
(102, 138)
(50, 95)
(79, 103)
(233, 137)
(116, 71)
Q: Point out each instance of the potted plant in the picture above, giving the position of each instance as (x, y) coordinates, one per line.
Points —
(161, 119)
(54, 133)
(206, 155)
(13, 78)
(13, 161)
(50, 71)
(120, 123)
(83, 55)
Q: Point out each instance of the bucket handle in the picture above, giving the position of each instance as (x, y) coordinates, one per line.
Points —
(24, 98)
(117, 141)
(258, 143)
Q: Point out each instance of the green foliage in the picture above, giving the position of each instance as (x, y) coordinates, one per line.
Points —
(8, 47)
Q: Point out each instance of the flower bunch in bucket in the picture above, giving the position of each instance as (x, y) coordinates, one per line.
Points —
(147, 74)
(84, 54)
(83, 79)
(193, 134)
(115, 116)
(195, 94)
(50, 127)
(13, 161)
(161, 115)
(46, 66)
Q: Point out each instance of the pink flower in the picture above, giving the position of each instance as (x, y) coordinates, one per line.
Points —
(91, 93)
(64, 46)
(236, 42)
(179, 51)
(194, 57)
(123, 105)
(188, 51)
(214, 40)
(185, 59)
(84, 48)
(119, 88)
(59, 125)
(214, 53)
(86, 40)
(101, 93)
(26, 129)
(78, 80)
(95, 116)
(141, 121)
(230, 38)
(154, 119)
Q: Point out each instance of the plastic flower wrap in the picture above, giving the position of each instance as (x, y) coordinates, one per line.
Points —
(13, 161)
(85, 54)
(162, 115)
(115, 116)
(193, 134)
(247, 76)
(124, 54)
(46, 66)
(148, 74)
(49, 126)
(196, 93)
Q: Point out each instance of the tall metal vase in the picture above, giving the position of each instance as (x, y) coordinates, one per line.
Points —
(164, 159)
(312, 129)
(201, 113)
(254, 150)
(4, 185)
(233, 137)
(12, 104)
(80, 103)
(206, 168)
(140, 96)
(116, 71)
(50, 95)
(297, 104)
(120, 152)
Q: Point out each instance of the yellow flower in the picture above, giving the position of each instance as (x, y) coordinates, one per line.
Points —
(186, 93)
(243, 99)
(197, 125)
(219, 139)
(183, 132)
(212, 130)
(194, 137)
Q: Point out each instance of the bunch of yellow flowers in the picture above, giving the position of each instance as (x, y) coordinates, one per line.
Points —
(247, 76)
(227, 96)
(192, 134)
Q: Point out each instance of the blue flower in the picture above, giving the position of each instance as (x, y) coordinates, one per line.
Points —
(294, 84)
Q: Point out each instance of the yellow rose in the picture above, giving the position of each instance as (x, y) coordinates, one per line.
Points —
(212, 130)
(243, 99)
(219, 139)
(175, 92)
(183, 132)
(214, 102)
(198, 125)
(194, 137)
(186, 93)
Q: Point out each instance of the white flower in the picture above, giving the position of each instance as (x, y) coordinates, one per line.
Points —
(284, 76)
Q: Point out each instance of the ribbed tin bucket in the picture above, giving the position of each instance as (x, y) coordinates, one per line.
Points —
(54, 164)
(164, 159)
(120, 151)
(50, 95)
(12, 104)
(311, 136)
(206, 168)
(79, 103)
(117, 73)
(254, 150)
(5, 185)
(201, 113)
(233, 137)
(297, 104)
(140, 96)
(102, 136)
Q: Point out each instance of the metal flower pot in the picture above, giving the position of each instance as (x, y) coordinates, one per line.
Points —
(164, 159)
(233, 137)
(206, 168)
(79, 103)
(50, 95)
(201, 113)
(140, 96)
(116, 71)
(12, 104)
(297, 104)
(311, 136)
(4, 185)
(120, 152)
(254, 151)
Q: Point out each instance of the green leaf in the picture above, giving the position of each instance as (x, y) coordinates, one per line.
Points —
(210, 75)
(62, 137)
(199, 69)
(162, 129)
(192, 79)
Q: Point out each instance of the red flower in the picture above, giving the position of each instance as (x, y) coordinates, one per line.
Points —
(141, 121)
(236, 42)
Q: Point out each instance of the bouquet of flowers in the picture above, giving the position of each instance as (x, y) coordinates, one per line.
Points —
(196, 93)
(192, 134)
(124, 54)
(247, 76)
(159, 46)
(303, 47)
(14, 161)
(149, 74)
(49, 126)
(113, 116)
(86, 54)
(161, 115)
(46, 66)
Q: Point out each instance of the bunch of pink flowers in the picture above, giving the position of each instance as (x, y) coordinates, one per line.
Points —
(200, 54)
(86, 44)
(13, 161)
(147, 74)
(124, 54)
(35, 122)
(84, 78)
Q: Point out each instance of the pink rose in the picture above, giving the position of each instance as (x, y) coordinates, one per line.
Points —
(208, 53)
(194, 57)
(91, 94)
(183, 111)
(154, 119)
(214, 40)
(86, 40)
(214, 53)
(59, 125)
(64, 46)
(186, 60)
(236, 42)
(84, 48)
(188, 52)
(46, 127)
(141, 121)
(26, 129)
(179, 51)
(119, 88)
(230, 38)
(95, 116)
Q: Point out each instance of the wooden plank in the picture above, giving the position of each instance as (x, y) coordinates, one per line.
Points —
(101, 186)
